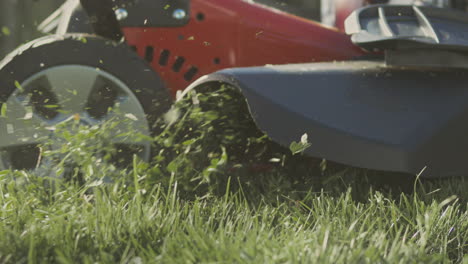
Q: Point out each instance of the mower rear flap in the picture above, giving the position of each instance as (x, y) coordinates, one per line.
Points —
(362, 113)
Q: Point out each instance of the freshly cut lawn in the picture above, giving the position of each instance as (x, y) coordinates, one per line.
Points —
(201, 201)
(135, 221)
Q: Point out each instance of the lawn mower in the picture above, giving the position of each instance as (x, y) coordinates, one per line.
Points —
(389, 95)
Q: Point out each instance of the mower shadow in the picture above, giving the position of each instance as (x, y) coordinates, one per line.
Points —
(363, 182)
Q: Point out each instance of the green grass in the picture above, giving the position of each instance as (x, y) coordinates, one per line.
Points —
(198, 202)
(117, 222)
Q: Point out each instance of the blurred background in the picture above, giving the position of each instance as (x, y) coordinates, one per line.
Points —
(18, 21)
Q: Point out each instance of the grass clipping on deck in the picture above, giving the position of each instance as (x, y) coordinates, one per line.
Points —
(200, 201)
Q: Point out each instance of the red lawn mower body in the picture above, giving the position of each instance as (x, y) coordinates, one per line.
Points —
(401, 109)
(225, 33)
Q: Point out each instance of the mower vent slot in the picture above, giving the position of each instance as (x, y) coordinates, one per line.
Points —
(149, 53)
(178, 64)
(188, 76)
(395, 27)
(164, 58)
(383, 23)
(424, 21)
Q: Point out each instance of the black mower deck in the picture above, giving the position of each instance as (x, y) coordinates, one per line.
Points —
(405, 113)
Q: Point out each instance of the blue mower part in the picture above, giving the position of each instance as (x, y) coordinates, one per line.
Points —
(407, 113)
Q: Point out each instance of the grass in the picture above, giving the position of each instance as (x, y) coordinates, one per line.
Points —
(200, 202)
(117, 222)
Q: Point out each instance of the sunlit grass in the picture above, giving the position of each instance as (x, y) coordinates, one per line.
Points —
(198, 202)
(134, 220)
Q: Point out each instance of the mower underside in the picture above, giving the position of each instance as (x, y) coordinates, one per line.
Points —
(362, 113)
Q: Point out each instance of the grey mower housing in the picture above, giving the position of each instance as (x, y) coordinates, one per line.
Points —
(405, 113)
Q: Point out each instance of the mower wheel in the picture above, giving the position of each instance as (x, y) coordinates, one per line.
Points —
(76, 80)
